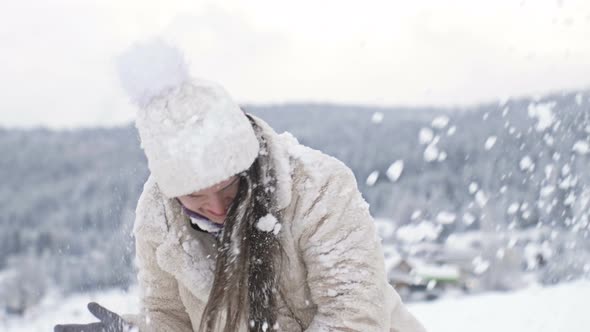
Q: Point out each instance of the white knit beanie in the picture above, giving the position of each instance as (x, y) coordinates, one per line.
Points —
(192, 132)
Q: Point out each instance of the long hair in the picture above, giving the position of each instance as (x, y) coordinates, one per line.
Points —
(244, 288)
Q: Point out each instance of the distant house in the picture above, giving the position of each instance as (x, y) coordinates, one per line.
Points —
(415, 279)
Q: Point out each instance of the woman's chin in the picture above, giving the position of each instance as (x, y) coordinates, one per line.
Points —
(217, 220)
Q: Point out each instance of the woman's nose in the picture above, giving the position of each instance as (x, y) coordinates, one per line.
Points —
(217, 205)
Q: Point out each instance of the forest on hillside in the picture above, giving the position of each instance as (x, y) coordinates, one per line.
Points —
(68, 197)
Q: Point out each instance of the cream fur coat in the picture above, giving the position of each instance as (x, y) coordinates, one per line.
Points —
(333, 279)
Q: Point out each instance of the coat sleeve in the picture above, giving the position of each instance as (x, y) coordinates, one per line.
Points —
(160, 306)
(345, 265)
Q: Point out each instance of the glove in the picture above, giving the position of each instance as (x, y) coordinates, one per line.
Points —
(109, 322)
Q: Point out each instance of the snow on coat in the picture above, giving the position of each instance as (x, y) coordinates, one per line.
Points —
(333, 280)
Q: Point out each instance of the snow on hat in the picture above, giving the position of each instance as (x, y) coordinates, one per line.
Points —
(192, 132)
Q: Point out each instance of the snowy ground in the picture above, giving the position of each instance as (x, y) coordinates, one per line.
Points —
(558, 308)
(555, 309)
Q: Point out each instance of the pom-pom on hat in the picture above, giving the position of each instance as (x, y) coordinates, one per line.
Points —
(192, 132)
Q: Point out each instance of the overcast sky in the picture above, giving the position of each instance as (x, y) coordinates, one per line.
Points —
(57, 58)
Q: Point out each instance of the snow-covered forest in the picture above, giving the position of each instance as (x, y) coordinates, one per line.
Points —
(467, 201)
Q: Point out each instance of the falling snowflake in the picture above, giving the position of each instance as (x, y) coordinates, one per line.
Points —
(431, 153)
(527, 164)
(446, 218)
(581, 147)
(481, 198)
(468, 218)
(425, 230)
(548, 171)
(395, 170)
(570, 199)
(473, 187)
(513, 208)
(377, 117)
(440, 122)
(543, 112)
(452, 130)
(490, 142)
(505, 111)
(480, 265)
(416, 214)
(547, 190)
(372, 178)
(425, 136)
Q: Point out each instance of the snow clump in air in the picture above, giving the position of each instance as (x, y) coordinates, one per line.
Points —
(468, 218)
(431, 153)
(424, 231)
(395, 170)
(581, 147)
(452, 130)
(505, 111)
(425, 136)
(513, 208)
(480, 265)
(269, 223)
(473, 187)
(385, 228)
(481, 198)
(446, 218)
(377, 117)
(440, 122)
(372, 178)
(527, 164)
(490, 142)
(544, 114)
(416, 214)
(547, 191)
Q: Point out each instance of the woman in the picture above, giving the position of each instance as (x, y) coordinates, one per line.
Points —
(239, 228)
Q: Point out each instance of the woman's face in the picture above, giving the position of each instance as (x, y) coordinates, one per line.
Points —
(213, 202)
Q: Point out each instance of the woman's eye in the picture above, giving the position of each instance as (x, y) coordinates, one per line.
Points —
(194, 198)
